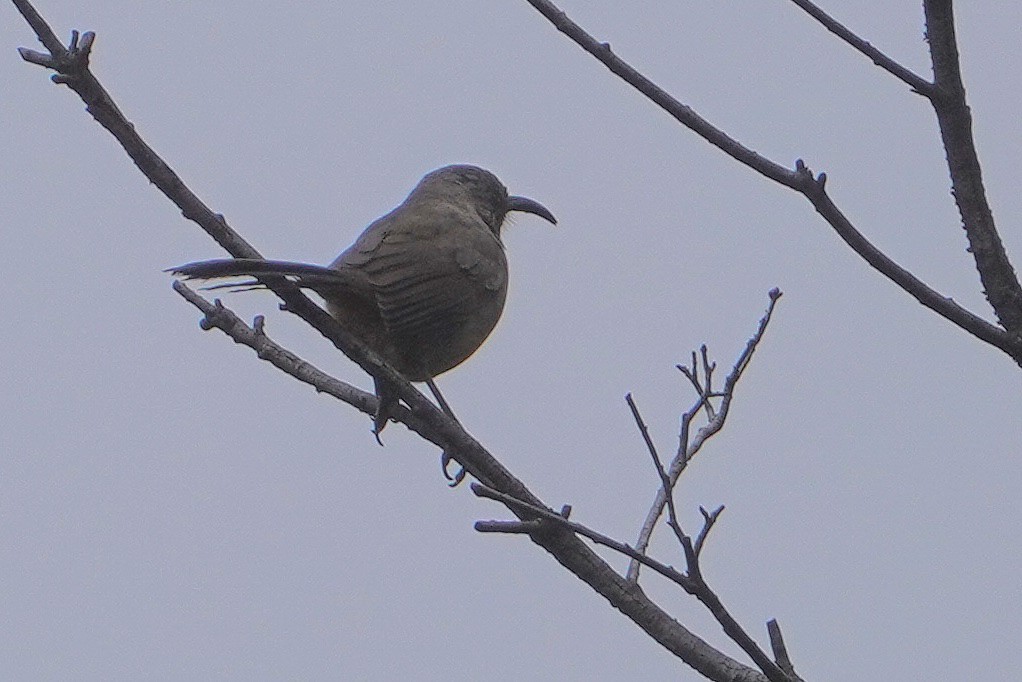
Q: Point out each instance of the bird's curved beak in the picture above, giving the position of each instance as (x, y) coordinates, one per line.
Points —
(527, 205)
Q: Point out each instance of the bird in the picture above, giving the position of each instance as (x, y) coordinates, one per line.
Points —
(423, 286)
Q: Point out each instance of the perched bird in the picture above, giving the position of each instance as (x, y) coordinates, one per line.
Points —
(423, 286)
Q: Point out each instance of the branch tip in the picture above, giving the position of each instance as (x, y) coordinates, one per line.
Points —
(780, 650)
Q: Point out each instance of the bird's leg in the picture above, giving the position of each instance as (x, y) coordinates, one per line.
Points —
(445, 458)
(386, 398)
(440, 399)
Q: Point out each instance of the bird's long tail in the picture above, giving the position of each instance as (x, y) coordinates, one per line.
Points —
(309, 276)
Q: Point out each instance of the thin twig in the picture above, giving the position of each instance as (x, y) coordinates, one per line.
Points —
(918, 84)
(704, 387)
(665, 481)
(708, 520)
(708, 368)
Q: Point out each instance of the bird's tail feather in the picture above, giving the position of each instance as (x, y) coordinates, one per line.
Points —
(315, 277)
(235, 267)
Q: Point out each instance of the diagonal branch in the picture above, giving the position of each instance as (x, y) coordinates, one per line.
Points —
(814, 190)
(917, 83)
(680, 112)
(798, 180)
(217, 316)
(72, 70)
(665, 482)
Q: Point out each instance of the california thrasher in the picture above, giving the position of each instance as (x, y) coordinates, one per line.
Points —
(423, 286)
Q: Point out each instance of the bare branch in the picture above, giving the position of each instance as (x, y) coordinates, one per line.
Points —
(812, 188)
(704, 387)
(645, 436)
(220, 317)
(686, 449)
(1000, 284)
(694, 583)
(665, 481)
(42, 30)
(703, 392)
(736, 632)
(524, 509)
(680, 112)
(918, 84)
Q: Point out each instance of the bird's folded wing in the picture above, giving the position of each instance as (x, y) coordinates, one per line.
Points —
(435, 284)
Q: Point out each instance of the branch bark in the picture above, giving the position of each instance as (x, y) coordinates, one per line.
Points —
(1000, 284)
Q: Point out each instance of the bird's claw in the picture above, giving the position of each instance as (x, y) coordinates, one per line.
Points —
(459, 475)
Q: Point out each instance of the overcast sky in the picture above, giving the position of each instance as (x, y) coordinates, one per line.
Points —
(173, 508)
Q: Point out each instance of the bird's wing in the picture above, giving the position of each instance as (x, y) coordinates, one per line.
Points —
(428, 275)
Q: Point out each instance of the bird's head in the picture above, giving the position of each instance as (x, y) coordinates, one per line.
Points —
(483, 191)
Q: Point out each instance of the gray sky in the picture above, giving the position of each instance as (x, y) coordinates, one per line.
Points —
(172, 508)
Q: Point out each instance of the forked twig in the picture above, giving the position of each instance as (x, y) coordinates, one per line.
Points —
(688, 447)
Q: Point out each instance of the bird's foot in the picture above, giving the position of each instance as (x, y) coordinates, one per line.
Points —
(386, 398)
(459, 475)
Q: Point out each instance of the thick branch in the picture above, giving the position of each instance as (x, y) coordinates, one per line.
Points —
(814, 190)
(1000, 284)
